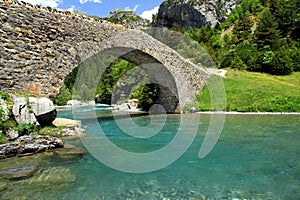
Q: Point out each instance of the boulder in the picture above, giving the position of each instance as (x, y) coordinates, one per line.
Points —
(12, 134)
(122, 107)
(9, 149)
(46, 119)
(69, 152)
(21, 112)
(43, 110)
(193, 109)
(19, 172)
(74, 103)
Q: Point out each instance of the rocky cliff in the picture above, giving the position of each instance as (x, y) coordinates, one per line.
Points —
(127, 18)
(194, 13)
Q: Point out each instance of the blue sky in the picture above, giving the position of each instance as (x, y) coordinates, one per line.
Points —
(101, 8)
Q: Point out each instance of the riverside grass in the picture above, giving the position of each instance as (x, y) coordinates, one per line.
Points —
(256, 92)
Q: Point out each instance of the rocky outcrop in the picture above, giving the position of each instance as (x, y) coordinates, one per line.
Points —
(43, 109)
(73, 127)
(21, 111)
(127, 18)
(34, 111)
(29, 144)
(12, 134)
(194, 13)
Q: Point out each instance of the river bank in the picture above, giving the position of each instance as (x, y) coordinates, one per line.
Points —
(47, 140)
(248, 113)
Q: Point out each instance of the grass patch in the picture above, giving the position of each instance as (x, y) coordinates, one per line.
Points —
(51, 131)
(256, 92)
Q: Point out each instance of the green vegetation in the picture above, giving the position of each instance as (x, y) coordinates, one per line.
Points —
(119, 82)
(124, 17)
(3, 138)
(259, 36)
(51, 130)
(8, 123)
(256, 92)
(26, 129)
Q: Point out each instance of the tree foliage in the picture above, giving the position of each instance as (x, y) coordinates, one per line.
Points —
(259, 35)
(119, 81)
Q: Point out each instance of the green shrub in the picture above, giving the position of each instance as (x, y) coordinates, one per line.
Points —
(26, 129)
(63, 97)
(3, 138)
(5, 96)
(5, 125)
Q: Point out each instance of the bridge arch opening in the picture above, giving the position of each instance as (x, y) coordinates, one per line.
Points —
(137, 73)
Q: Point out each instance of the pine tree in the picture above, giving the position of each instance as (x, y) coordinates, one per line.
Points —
(267, 32)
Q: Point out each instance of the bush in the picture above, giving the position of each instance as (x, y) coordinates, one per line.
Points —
(26, 129)
(63, 97)
(3, 138)
(5, 96)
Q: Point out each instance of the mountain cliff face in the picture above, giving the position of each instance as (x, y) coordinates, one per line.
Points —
(127, 18)
(194, 13)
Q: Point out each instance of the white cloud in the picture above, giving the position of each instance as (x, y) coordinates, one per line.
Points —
(72, 8)
(147, 14)
(134, 9)
(51, 3)
(94, 1)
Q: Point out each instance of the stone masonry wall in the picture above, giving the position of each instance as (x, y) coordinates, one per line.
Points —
(40, 46)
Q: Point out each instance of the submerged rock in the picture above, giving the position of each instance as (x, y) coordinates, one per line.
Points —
(19, 172)
(53, 176)
(69, 152)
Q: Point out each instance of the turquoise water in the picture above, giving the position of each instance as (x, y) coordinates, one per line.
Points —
(256, 157)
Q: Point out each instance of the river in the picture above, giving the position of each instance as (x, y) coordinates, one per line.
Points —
(255, 157)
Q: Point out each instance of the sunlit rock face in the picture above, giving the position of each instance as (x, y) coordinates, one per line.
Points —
(194, 13)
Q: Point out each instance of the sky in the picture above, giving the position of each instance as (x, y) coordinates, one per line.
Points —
(101, 8)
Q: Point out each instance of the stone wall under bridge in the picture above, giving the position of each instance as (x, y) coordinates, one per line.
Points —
(40, 47)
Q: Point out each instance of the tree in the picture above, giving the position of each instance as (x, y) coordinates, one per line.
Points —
(64, 96)
(249, 55)
(267, 32)
(287, 15)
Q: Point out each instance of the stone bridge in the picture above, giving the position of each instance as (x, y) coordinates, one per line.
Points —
(41, 46)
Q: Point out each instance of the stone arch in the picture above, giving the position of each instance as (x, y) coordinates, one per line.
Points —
(182, 78)
(157, 74)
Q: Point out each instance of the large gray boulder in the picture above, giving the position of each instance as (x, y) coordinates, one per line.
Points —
(43, 110)
(34, 111)
(21, 112)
